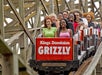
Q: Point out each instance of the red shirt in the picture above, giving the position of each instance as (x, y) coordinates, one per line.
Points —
(75, 25)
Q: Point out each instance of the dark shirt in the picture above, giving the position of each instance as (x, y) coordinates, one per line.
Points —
(53, 25)
(90, 24)
(70, 26)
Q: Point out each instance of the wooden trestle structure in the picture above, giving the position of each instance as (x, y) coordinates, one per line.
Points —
(20, 23)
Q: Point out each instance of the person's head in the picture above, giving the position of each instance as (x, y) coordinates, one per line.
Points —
(89, 16)
(60, 16)
(71, 17)
(47, 22)
(77, 14)
(65, 14)
(63, 23)
(53, 17)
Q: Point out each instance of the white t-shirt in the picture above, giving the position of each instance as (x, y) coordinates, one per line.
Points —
(85, 21)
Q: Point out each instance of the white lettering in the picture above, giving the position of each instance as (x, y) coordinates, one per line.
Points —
(44, 42)
(46, 50)
(51, 50)
(40, 50)
(54, 50)
(60, 42)
(64, 51)
(59, 50)
(67, 50)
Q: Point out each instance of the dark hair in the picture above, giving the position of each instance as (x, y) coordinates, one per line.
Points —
(60, 13)
(65, 11)
(78, 11)
(65, 21)
(60, 28)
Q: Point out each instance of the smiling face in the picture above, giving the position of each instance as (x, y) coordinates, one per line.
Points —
(63, 23)
(88, 17)
(77, 15)
(48, 23)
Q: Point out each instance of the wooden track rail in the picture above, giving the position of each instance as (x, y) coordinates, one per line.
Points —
(94, 62)
(88, 66)
(82, 67)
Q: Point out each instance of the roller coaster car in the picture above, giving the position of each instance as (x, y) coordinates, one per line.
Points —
(54, 55)
(60, 55)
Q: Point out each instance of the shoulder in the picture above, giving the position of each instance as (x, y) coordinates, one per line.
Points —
(44, 28)
(69, 30)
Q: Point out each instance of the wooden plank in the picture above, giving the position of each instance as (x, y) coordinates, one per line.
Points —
(29, 5)
(51, 6)
(29, 69)
(20, 20)
(7, 67)
(1, 19)
(83, 67)
(14, 37)
(44, 6)
(4, 49)
(15, 62)
(95, 61)
(72, 5)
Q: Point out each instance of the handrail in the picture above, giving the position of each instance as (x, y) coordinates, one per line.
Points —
(94, 62)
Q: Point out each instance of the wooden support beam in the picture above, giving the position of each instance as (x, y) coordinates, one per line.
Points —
(85, 5)
(2, 19)
(0, 64)
(4, 49)
(7, 64)
(30, 16)
(67, 4)
(96, 9)
(14, 37)
(62, 5)
(71, 4)
(23, 38)
(37, 17)
(8, 60)
(44, 6)
(15, 62)
(100, 3)
(100, 62)
(20, 20)
(51, 9)
(57, 5)
(29, 5)
(81, 5)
